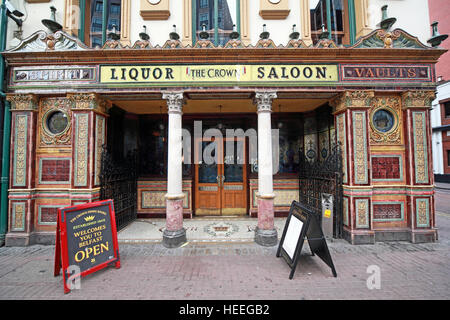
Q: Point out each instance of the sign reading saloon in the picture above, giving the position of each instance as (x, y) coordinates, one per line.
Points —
(219, 74)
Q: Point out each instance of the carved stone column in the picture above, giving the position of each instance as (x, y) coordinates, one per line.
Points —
(24, 108)
(265, 233)
(174, 235)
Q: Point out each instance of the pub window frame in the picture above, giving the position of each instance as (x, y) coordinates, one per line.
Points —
(213, 20)
(348, 22)
(85, 17)
(446, 107)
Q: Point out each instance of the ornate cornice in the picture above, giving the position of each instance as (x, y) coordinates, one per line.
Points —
(263, 100)
(41, 41)
(87, 101)
(175, 101)
(417, 99)
(23, 102)
(398, 38)
(353, 99)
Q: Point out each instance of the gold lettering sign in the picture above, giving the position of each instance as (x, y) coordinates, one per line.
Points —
(219, 74)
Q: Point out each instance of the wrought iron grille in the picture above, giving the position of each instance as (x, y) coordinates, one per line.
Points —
(322, 176)
(118, 181)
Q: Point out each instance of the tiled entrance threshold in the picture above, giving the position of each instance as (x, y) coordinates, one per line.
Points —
(214, 229)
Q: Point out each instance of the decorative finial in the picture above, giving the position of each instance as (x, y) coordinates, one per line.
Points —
(113, 35)
(436, 38)
(386, 23)
(174, 35)
(234, 34)
(325, 34)
(51, 23)
(203, 34)
(143, 35)
(294, 35)
(264, 34)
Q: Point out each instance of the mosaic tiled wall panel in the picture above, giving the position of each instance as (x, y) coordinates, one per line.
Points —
(20, 151)
(285, 190)
(151, 196)
(54, 170)
(388, 211)
(420, 147)
(81, 149)
(18, 210)
(362, 213)
(360, 147)
(341, 134)
(387, 168)
(47, 214)
(100, 123)
(422, 212)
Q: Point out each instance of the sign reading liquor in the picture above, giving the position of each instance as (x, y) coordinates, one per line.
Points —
(86, 240)
(219, 74)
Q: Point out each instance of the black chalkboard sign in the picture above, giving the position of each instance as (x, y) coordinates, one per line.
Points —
(86, 239)
(302, 223)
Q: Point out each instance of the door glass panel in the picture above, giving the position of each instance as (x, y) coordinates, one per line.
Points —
(233, 171)
(207, 173)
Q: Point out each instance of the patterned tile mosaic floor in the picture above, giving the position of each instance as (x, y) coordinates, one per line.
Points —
(204, 230)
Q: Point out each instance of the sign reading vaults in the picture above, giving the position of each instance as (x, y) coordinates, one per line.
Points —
(219, 74)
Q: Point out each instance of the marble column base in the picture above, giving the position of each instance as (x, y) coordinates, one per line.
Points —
(265, 233)
(174, 239)
(174, 235)
(266, 238)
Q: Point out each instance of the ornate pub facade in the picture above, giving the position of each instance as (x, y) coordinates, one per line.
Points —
(363, 91)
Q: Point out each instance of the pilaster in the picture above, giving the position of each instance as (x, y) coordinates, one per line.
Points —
(352, 132)
(416, 107)
(24, 108)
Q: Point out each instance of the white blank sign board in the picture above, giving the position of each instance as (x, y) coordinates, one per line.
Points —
(292, 235)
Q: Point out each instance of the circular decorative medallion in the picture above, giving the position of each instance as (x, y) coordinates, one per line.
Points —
(383, 120)
(154, 1)
(274, 1)
(56, 122)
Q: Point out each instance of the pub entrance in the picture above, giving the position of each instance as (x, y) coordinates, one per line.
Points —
(220, 176)
(226, 184)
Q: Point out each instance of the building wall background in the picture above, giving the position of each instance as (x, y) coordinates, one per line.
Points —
(412, 16)
(440, 11)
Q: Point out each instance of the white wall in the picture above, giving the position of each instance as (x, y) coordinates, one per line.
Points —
(279, 29)
(157, 30)
(33, 14)
(443, 92)
(412, 16)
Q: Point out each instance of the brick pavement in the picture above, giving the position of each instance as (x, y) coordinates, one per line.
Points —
(239, 271)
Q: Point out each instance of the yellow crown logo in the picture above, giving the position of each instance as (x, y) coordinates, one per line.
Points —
(89, 218)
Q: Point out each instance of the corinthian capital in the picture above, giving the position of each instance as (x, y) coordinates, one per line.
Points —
(263, 100)
(23, 102)
(175, 101)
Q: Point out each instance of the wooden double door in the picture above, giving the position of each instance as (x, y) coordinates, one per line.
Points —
(220, 176)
